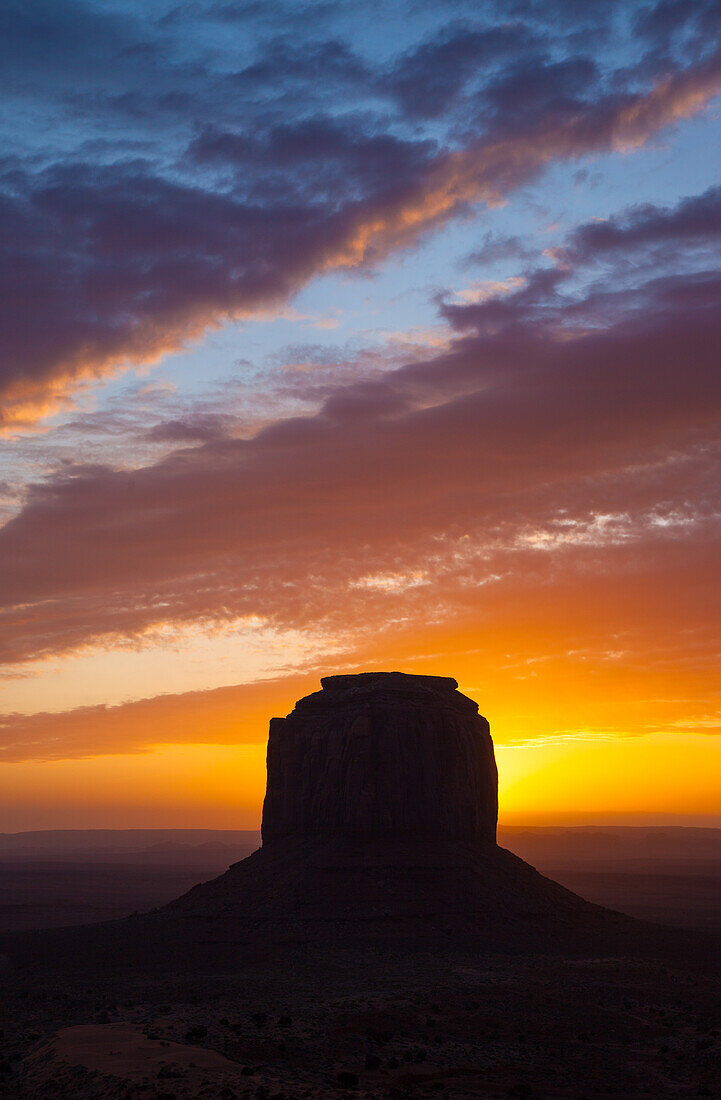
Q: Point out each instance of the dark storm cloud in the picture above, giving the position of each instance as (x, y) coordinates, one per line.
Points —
(114, 70)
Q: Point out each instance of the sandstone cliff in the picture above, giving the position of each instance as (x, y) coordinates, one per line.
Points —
(380, 755)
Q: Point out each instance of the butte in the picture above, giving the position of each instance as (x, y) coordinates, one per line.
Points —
(379, 827)
(380, 817)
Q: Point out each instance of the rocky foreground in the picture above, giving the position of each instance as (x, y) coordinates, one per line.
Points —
(296, 1023)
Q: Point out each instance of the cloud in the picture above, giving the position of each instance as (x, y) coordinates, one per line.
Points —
(285, 61)
(538, 86)
(677, 26)
(497, 248)
(693, 221)
(50, 41)
(531, 477)
(195, 428)
(317, 160)
(549, 408)
(224, 716)
(429, 80)
(121, 263)
(496, 629)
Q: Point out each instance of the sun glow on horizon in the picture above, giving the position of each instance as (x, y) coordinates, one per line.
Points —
(572, 781)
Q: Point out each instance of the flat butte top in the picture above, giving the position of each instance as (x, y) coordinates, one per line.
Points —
(389, 688)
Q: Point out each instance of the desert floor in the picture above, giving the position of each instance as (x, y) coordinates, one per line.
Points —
(303, 1021)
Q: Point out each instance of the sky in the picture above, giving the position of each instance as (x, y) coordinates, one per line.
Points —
(339, 336)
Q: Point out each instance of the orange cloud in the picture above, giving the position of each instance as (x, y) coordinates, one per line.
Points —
(225, 716)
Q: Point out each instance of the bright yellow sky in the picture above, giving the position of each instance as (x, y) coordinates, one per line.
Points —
(574, 743)
(659, 777)
(588, 725)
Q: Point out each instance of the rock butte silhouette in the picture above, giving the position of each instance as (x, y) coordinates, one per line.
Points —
(379, 824)
(381, 811)
(381, 755)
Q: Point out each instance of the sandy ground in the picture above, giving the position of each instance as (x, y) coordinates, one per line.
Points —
(312, 1023)
(123, 1051)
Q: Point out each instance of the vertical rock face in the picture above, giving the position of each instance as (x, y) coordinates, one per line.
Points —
(382, 754)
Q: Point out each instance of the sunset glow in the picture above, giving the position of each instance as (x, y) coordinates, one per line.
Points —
(352, 342)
